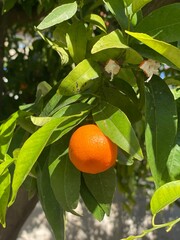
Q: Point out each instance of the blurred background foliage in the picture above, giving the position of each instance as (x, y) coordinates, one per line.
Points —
(25, 59)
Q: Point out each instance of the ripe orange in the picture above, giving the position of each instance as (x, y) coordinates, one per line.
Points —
(91, 151)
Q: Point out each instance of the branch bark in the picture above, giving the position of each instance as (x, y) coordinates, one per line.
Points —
(17, 215)
(157, 4)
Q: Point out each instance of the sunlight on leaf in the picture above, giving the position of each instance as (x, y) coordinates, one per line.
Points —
(170, 52)
(165, 195)
(58, 15)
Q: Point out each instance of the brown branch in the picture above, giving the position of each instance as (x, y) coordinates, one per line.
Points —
(157, 4)
(17, 215)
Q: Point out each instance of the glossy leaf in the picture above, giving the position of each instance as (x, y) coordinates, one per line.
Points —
(91, 203)
(102, 187)
(56, 102)
(54, 213)
(5, 164)
(163, 23)
(173, 163)
(117, 8)
(73, 115)
(96, 20)
(139, 4)
(76, 40)
(58, 15)
(112, 40)
(168, 51)
(149, 53)
(80, 78)
(6, 133)
(161, 126)
(127, 75)
(65, 182)
(5, 181)
(40, 121)
(165, 195)
(72, 109)
(29, 154)
(124, 103)
(115, 124)
(125, 88)
(67, 101)
(133, 56)
(62, 53)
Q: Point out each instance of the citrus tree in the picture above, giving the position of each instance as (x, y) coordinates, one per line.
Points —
(121, 76)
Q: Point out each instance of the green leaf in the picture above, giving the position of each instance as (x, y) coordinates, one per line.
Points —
(76, 40)
(51, 101)
(128, 2)
(58, 15)
(69, 110)
(165, 195)
(73, 115)
(5, 181)
(19, 137)
(102, 187)
(6, 132)
(117, 8)
(60, 50)
(73, 109)
(57, 150)
(43, 88)
(91, 203)
(65, 101)
(173, 163)
(148, 52)
(62, 53)
(54, 213)
(5, 164)
(163, 23)
(115, 124)
(127, 75)
(125, 88)
(65, 182)
(80, 78)
(168, 51)
(59, 33)
(30, 184)
(124, 103)
(46, 135)
(161, 126)
(133, 57)
(114, 39)
(29, 154)
(40, 121)
(139, 4)
(97, 21)
(7, 5)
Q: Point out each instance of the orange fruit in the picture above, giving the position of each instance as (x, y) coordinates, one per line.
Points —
(91, 151)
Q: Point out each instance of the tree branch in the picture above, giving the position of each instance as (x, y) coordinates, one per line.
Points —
(157, 4)
(17, 215)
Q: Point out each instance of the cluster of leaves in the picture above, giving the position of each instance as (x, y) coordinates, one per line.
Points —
(106, 86)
